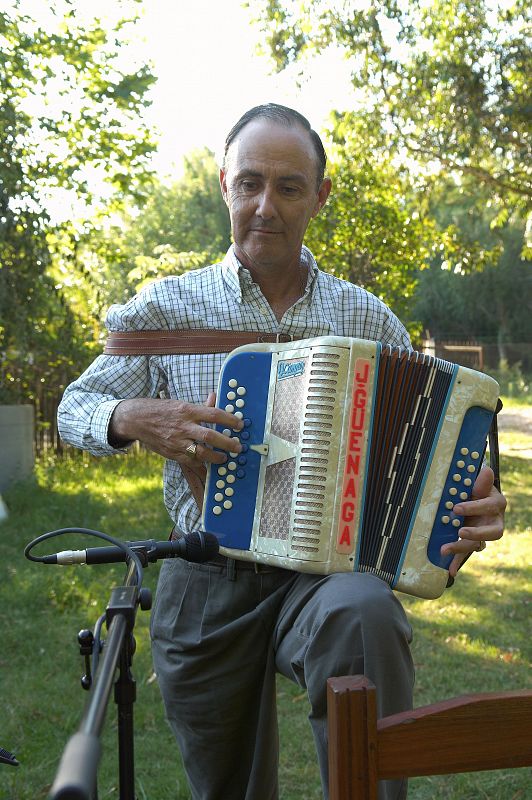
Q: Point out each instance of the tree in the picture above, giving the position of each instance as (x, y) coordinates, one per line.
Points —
(69, 109)
(440, 92)
(180, 226)
(368, 232)
(484, 292)
(445, 82)
(188, 216)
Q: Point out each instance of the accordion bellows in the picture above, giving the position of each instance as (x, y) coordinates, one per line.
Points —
(354, 455)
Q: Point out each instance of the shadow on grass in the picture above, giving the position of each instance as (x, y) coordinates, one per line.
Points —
(472, 640)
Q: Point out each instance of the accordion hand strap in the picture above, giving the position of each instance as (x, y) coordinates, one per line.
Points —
(191, 341)
(493, 439)
(196, 479)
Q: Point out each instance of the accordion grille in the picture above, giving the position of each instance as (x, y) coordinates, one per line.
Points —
(310, 490)
(410, 400)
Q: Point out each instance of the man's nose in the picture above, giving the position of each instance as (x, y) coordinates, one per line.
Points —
(266, 204)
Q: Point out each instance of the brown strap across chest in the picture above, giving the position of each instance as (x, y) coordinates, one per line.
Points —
(182, 342)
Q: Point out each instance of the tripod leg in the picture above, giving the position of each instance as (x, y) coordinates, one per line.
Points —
(125, 696)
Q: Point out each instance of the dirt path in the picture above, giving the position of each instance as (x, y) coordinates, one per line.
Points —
(516, 419)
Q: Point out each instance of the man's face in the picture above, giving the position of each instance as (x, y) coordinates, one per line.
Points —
(270, 186)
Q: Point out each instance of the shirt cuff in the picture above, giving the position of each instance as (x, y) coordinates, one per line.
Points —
(100, 427)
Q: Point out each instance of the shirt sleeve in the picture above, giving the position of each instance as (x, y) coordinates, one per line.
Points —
(88, 403)
(393, 330)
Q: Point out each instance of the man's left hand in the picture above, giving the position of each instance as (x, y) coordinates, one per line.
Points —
(484, 520)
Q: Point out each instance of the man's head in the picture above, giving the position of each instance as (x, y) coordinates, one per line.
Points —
(288, 117)
(272, 181)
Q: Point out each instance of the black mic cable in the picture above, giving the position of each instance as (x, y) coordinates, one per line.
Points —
(124, 547)
(196, 547)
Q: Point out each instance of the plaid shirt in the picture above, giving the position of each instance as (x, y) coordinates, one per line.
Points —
(221, 296)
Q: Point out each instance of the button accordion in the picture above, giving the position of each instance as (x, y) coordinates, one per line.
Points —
(353, 456)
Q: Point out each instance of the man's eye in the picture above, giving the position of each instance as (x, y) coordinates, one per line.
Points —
(249, 186)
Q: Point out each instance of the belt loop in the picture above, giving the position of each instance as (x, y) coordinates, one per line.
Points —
(284, 337)
(231, 569)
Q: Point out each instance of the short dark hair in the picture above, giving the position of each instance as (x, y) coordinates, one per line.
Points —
(284, 116)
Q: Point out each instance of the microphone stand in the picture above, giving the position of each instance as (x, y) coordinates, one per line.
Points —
(76, 776)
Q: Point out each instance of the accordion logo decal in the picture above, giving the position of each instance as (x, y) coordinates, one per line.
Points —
(290, 369)
(355, 448)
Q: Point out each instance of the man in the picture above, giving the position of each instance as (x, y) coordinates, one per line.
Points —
(221, 630)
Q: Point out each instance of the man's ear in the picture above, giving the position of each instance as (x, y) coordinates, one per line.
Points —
(323, 193)
(223, 184)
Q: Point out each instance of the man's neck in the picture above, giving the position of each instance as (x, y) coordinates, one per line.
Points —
(282, 285)
(282, 290)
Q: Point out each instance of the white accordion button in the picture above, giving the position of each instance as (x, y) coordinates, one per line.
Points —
(449, 504)
(238, 414)
(453, 490)
(460, 464)
(468, 482)
(231, 479)
(445, 519)
(228, 504)
(218, 497)
(456, 523)
(217, 510)
(474, 454)
(464, 451)
(471, 468)
(233, 383)
(229, 491)
(241, 391)
(231, 465)
(220, 484)
(240, 403)
(222, 471)
(463, 496)
(229, 408)
(457, 477)
(231, 395)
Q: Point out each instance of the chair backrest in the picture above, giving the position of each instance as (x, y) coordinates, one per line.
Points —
(464, 734)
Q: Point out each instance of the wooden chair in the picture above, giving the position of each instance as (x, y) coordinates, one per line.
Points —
(464, 734)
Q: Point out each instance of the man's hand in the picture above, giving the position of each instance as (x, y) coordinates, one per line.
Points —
(484, 520)
(168, 427)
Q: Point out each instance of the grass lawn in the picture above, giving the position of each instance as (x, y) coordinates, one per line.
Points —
(477, 637)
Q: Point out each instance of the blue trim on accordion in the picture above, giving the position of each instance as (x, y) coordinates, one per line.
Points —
(472, 437)
(234, 526)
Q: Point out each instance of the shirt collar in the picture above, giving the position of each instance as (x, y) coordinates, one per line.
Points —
(237, 276)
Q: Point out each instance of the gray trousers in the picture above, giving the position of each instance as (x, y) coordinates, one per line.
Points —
(220, 635)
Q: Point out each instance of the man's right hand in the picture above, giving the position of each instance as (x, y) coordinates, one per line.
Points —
(168, 427)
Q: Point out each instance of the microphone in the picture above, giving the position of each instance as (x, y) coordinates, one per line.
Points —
(196, 547)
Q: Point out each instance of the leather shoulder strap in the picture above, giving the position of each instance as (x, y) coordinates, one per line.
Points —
(193, 341)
